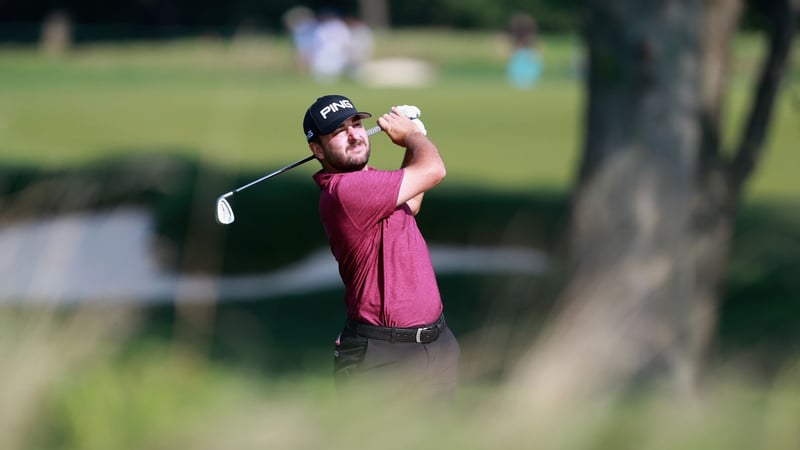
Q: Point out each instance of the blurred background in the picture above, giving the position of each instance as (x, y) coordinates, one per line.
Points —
(616, 241)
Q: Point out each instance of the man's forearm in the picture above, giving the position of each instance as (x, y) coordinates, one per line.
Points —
(420, 150)
(422, 165)
(414, 203)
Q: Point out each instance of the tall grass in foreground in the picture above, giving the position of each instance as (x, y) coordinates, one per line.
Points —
(66, 382)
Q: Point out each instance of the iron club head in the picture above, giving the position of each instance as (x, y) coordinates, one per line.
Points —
(224, 211)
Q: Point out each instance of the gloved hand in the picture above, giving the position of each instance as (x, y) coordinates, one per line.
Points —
(420, 125)
(410, 111)
(413, 113)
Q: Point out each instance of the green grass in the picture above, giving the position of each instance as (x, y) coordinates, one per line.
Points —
(239, 106)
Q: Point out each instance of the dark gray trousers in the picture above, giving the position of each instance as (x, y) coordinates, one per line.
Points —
(402, 369)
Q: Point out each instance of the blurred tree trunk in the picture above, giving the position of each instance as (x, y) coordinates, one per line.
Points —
(375, 13)
(656, 195)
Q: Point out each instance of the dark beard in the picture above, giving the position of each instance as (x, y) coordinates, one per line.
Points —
(349, 166)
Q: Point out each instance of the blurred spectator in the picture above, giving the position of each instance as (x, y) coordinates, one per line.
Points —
(56, 37)
(362, 45)
(331, 53)
(302, 24)
(525, 65)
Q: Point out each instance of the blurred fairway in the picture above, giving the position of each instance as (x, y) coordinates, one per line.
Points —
(239, 105)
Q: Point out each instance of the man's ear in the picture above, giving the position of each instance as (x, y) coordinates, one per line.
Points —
(316, 149)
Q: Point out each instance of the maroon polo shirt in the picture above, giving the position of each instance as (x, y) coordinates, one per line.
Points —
(383, 259)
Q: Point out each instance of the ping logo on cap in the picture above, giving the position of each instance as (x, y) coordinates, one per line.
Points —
(336, 106)
(327, 113)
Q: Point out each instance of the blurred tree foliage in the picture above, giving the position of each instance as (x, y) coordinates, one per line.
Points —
(144, 19)
(136, 19)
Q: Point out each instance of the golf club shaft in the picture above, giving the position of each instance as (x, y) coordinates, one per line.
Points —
(373, 130)
(370, 132)
(277, 172)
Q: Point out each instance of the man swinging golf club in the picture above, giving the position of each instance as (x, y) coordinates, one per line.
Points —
(395, 333)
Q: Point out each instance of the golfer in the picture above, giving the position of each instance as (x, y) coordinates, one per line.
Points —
(395, 332)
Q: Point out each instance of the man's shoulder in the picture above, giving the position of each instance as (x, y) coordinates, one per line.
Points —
(368, 180)
(369, 177)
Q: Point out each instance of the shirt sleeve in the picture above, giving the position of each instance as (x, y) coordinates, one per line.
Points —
(369, 196)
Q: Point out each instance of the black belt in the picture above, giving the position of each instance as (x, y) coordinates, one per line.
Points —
(421, 335)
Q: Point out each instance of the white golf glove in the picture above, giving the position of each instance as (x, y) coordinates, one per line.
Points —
(410, 111)
(421, 126)
(413, 113)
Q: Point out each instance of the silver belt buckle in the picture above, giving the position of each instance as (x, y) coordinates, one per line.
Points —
(419, 335)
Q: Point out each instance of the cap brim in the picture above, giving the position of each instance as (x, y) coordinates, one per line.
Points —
(333, 127)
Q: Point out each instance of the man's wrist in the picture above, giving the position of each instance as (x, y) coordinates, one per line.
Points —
(415, 136)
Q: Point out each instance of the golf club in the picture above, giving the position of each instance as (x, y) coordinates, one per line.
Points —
(225, 212)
